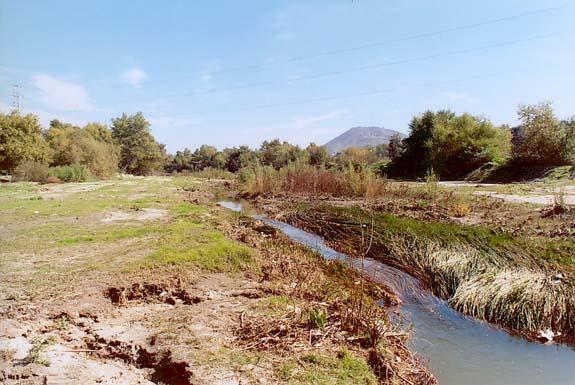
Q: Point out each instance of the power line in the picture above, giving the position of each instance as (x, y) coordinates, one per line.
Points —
(363, 68)
(378, 92)
(401, 39)
(418, 36)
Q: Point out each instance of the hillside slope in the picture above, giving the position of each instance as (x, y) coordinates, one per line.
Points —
(360, 137)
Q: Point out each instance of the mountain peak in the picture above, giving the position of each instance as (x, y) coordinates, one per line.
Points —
(361, 137)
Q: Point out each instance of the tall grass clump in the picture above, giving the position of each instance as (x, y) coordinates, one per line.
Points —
(304, 179)
(518, 297)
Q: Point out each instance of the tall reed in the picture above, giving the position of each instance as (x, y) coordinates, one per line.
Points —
(302, 178)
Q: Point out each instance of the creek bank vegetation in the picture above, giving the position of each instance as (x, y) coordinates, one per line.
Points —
(510, 264)
(319, 303)
(480, 272)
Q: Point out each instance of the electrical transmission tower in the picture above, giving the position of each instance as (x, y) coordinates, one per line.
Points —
(16, 97)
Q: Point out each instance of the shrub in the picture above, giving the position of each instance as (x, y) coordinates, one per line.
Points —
(53, 179)
(32, 172)
(73, 173)
(211, 173)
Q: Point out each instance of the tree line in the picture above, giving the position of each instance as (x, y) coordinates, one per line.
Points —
(443, 143)
(68, 152)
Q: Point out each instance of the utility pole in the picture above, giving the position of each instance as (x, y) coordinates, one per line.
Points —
(16, 97)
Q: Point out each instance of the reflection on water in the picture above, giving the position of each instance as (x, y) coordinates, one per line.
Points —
(459, 350)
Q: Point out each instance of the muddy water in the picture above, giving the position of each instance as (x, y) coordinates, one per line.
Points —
(459, 350)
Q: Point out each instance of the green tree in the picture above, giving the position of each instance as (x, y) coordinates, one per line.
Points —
(64, 140)
(140, 154)
(540, 138)
(21, 140)
(183, 160)
(464, 143)
(241, 157)
(317, 155)
(277, 154)
(449, 145)
(356, 156)
(100, 132)
(394, 147)
(206, 156)
(568, 126)
(415, 158)
(381, 151)
(91, 146)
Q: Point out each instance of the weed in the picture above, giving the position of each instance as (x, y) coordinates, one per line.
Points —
(317, 318)
(559, 203)
(284, 372)
(35, 354)
(461, 206)
(431, 184)
(31, 171)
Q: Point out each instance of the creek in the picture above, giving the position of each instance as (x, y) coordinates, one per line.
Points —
(458, 350)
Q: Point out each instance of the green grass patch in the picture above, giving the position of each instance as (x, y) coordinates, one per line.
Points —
(185, 209)
(186, 242)
(274, 305)
(107, 236)
(322, 369)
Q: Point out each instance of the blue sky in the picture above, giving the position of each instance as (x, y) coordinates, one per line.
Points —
(228, 72)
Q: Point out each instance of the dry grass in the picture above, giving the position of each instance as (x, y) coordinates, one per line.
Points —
(528, 300)
(326, 304)
(307, 179)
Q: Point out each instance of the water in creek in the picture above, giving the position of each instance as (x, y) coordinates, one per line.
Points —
(458, 350)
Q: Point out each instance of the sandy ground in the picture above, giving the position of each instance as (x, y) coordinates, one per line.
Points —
(146, 214)
(535, 194)
(88, 339)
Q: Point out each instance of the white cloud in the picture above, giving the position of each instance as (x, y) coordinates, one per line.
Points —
(62, 95)
(134, 76)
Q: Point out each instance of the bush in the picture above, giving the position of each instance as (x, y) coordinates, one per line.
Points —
(73, 173)
(53, 179)
(31, 171)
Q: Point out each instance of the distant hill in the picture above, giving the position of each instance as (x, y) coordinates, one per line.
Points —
(361, 137)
